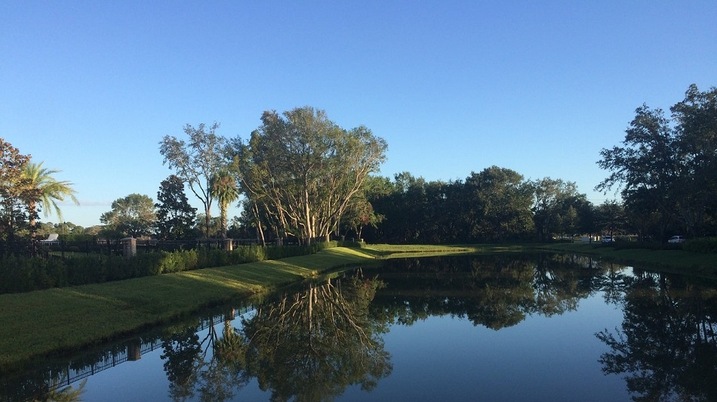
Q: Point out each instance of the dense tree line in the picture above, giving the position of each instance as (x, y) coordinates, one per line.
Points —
(494, 205)
(302, 177)
(665, 171)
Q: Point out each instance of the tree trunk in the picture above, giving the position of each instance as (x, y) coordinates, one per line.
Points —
(223, 219)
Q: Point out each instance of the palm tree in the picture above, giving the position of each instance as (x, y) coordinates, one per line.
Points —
(225, 190)
(44, 190)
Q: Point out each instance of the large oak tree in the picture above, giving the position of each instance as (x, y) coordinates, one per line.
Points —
(667, 167)
(304, 169)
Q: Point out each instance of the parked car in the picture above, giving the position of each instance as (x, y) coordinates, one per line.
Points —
(676, 239)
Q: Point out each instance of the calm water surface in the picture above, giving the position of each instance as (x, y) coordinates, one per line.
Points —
(519, 328)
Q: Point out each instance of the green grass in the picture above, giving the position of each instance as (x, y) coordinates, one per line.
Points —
(679, 261)
(387, 251)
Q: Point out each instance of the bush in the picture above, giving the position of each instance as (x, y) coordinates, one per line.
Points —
(702, 245)
(251, 253)
(81, 270)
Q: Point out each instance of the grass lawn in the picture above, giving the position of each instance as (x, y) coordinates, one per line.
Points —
(678, 261)
(36, 324)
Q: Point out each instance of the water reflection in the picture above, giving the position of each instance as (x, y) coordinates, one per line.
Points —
(666, 347)
(494, 291)
(309, 345)
(315, 343)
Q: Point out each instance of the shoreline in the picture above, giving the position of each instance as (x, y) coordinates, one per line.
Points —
(41, 323)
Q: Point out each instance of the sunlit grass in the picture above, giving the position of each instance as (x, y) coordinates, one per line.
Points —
(388, 251)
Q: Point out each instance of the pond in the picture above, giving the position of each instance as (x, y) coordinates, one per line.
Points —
(496, 328)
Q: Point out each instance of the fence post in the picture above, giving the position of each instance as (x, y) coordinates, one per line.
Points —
(130, 247)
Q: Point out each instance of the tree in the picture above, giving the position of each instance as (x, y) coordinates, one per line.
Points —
(500, 205)
(556, 207)
(360, 213)
(668, 167)
(132, 215)
(306, 168)
(695, 120)
(646, 166)
(43, 191)
(610, 218)
(12, 184)
(175, 217)
(404, 209)
(225, 190)
(197, 162)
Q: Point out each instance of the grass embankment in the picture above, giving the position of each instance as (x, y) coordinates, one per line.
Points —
(679, 261)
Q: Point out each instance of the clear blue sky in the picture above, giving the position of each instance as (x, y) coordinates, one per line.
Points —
(540, 87)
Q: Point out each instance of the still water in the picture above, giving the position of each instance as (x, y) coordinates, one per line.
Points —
(497, 328)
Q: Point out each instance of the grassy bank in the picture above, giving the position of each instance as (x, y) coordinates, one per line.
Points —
(37, 323)
(678, 261)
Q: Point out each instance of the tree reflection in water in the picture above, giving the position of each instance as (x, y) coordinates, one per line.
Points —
(666, 347)
(308, 345)
(496, 291)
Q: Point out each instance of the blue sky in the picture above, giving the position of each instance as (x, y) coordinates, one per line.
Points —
(91, 87)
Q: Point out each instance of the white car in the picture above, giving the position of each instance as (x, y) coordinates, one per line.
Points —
(676, 239)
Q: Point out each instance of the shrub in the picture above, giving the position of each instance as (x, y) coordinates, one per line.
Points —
(82, 270)
(702, 245)
(251, 253)
(177, 261)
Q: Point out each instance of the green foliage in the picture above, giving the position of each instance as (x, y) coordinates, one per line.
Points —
(251, 253)
(300, 170)
(197, 161)
(225, 190)
(132, 215)
(182, 260)
(666, 168)
(493, 205)
(175, 217)
(44, 190)
(703, 245)
(13, 185)
(24, 274)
